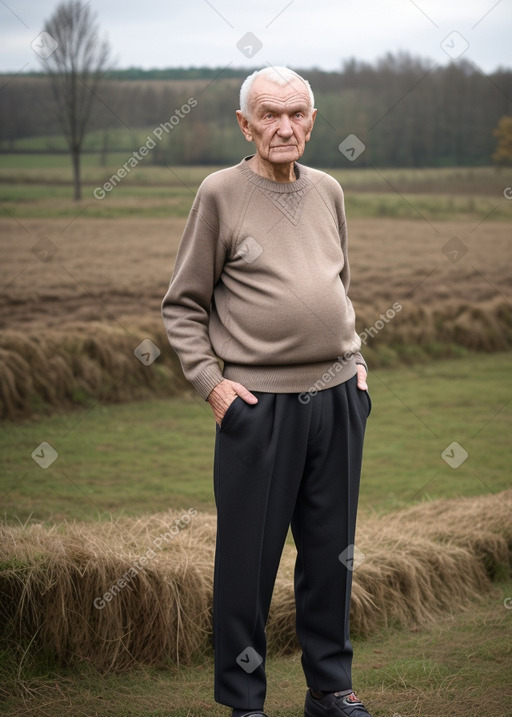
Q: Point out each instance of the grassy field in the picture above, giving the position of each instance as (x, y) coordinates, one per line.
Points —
(98, 284)
(34, 167)
(135, 457)
(435, 241)
(39, 186)
(139, 458)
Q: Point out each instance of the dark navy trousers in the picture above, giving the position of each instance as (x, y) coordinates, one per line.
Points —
(291, 459)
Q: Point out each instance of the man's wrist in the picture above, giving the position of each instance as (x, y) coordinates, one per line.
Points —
(211, 395)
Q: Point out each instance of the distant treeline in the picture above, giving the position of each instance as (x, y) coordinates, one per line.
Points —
(171, 73)
(407, 111)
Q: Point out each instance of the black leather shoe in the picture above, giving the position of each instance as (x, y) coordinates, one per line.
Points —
(335, 704)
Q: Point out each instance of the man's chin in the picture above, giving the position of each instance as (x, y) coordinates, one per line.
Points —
(281, 155)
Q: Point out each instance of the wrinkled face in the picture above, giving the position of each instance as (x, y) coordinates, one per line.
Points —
(280, 121)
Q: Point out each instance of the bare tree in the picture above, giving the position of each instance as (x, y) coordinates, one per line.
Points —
(75, 58)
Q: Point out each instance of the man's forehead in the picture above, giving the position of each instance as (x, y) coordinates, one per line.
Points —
(265, 91)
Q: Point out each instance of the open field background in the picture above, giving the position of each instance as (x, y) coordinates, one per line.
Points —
(37, 185)
(80, 288)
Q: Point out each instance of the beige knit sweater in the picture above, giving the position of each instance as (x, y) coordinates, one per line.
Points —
(260, 282)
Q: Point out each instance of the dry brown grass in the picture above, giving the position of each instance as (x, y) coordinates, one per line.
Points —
(433, 557)
(74, 364)
(70, 324)
(79, 362)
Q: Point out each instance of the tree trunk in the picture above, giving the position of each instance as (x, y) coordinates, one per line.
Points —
(75, 158)
(104, 149)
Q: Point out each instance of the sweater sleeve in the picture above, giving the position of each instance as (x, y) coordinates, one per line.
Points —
(345, 272)
(186, 305)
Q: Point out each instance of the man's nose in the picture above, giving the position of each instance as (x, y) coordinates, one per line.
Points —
(285, 127)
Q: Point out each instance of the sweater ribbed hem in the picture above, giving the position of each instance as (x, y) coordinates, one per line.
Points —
(303, 378)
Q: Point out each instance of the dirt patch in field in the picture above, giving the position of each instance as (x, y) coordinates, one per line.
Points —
(114, 269)
(100, 269)
(78, 297)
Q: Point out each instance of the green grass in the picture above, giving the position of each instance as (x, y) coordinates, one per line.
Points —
(50, 161)
(118, 459)
(118, 140)
(40, 201)
(46, 201)
(40, 186)
(476, 181)
(148, 456)
(56, 168)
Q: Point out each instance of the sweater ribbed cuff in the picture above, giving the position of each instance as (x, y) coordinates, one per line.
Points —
(360, 360)
(207, 380)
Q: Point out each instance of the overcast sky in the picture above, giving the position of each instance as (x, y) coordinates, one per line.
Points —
(297, 33)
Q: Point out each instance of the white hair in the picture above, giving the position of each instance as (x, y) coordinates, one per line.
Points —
(280, 76)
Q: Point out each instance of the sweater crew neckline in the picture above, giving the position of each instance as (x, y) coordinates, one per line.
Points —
(270, 185)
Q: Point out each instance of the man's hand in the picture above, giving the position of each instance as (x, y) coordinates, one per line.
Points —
(223, 395)
(361, 377)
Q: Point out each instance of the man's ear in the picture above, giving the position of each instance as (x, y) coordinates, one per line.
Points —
(313, 118)
(243, 123)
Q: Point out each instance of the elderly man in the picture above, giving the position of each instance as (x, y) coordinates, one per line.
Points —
(258, 313)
